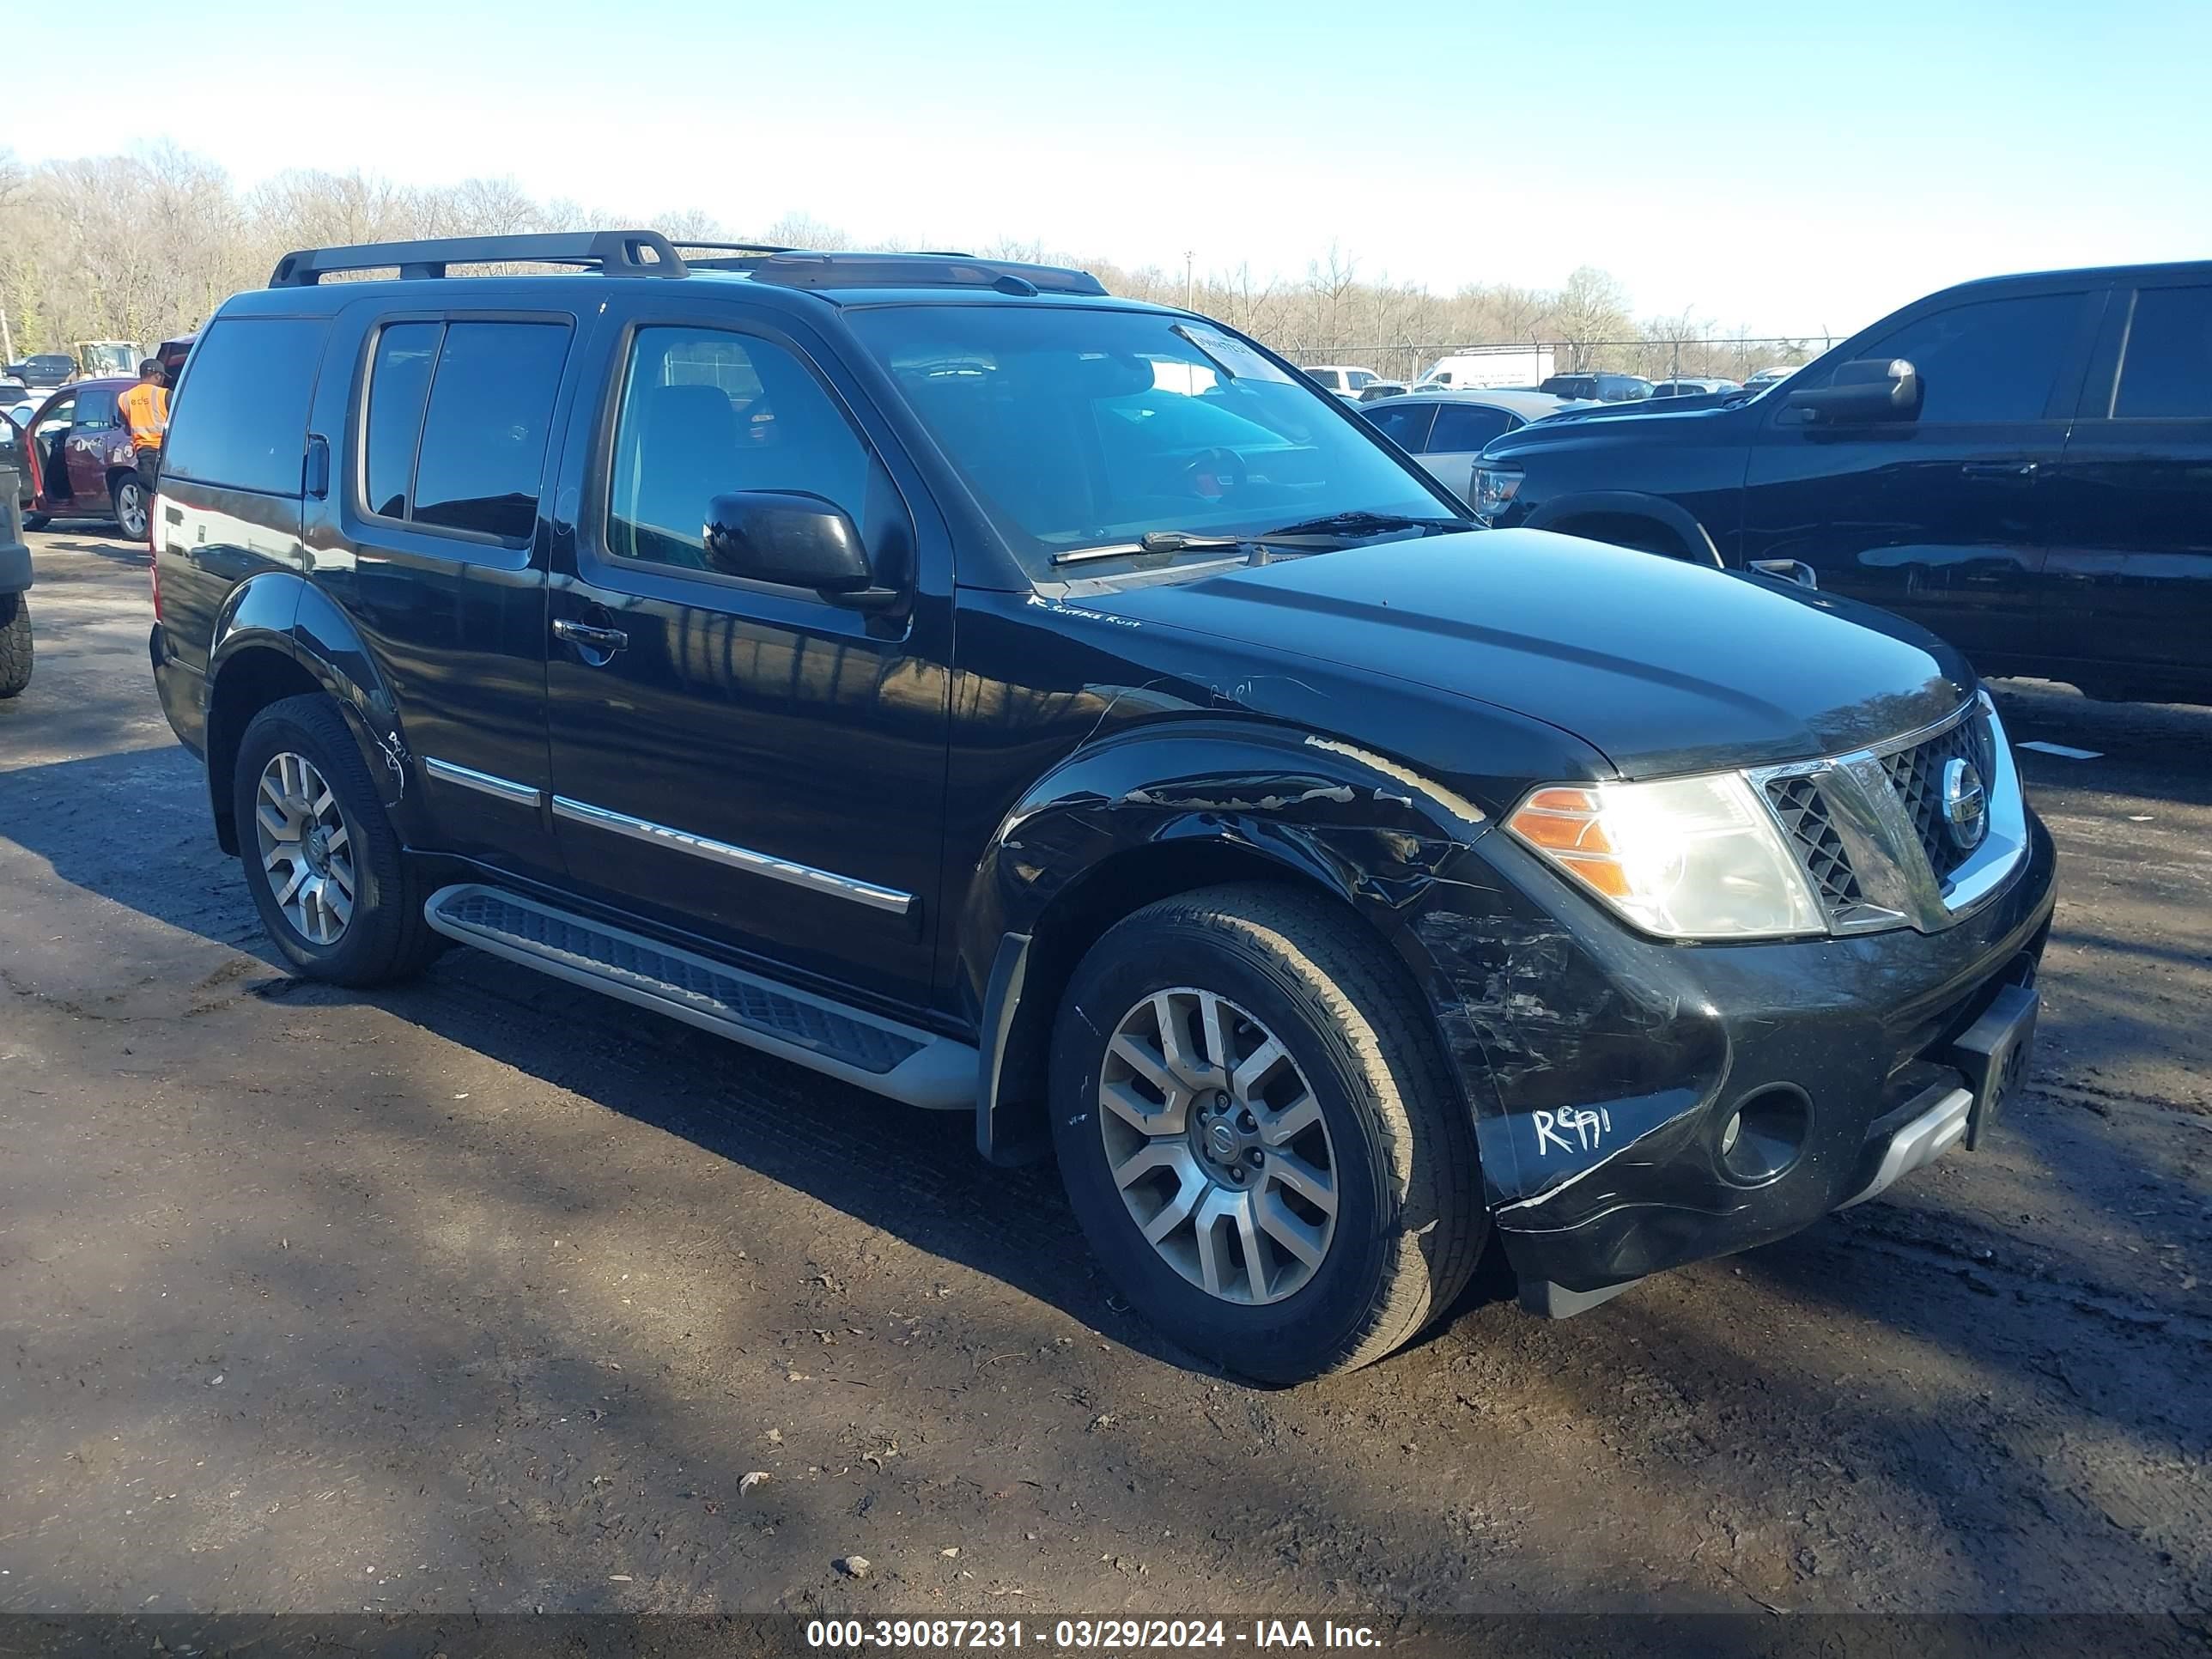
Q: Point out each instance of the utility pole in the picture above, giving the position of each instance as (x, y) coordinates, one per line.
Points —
(7, 338)
(1188, 257)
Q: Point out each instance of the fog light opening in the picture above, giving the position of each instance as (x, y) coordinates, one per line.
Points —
(1765, 1133)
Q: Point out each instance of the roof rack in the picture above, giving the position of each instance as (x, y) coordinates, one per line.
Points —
(615, 253)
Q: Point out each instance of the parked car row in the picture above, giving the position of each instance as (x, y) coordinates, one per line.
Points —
(75, 455)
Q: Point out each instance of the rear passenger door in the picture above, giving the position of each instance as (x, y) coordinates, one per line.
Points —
(1939, 517)
(91, 428)
(748, 762)
(449, 422)
(2132, 506)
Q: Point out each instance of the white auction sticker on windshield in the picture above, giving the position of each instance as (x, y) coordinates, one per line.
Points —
(1236, 360)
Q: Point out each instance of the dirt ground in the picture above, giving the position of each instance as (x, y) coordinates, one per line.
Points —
(490, 1295)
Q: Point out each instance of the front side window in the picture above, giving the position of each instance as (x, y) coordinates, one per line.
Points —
(1995, 360)
(1468, 426)
(1361, 379)
(244, 424)
(2167, 372)
(1406, 425)
(1079, 428)
(705, 413)
(1328, 378)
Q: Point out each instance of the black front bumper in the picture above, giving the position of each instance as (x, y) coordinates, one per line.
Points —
(1604, 1068)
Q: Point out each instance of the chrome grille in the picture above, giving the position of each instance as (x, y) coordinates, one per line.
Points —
(1805, 817)
(1868, 829)
(1917, 775)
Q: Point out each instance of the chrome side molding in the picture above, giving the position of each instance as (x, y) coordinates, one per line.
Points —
(484, 783)
(889, 900)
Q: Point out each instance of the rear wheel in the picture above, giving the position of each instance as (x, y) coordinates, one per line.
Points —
(322, 860)
(129, 497)
(1259, 1135)
(15, 643)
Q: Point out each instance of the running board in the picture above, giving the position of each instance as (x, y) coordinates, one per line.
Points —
(875, 1054)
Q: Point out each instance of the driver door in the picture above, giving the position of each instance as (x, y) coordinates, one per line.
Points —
(750, 762)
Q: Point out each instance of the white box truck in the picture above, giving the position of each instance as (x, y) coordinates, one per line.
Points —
(1488, 367)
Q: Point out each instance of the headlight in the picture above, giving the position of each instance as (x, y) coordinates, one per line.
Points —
(1684, 857)
(1494, 487)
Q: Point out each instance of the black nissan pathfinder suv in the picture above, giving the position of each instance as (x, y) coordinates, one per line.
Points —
(2023, 464)
(1056, 711)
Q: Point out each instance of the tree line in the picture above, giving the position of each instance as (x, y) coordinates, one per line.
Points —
(144, 247)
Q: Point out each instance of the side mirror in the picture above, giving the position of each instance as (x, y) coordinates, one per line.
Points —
(1874, 389)
(789, 537)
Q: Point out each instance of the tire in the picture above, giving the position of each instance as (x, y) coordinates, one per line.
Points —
(1408, 1222)
(128, 497)
(15, 643)
(382, 937)
(36, 521)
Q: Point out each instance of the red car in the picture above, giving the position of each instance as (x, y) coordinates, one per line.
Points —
(82, 460)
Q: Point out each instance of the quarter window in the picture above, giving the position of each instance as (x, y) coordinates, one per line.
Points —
(244, 425)
(707, 413)
(2168, 374)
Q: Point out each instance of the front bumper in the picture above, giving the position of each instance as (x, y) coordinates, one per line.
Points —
(1604, 1069)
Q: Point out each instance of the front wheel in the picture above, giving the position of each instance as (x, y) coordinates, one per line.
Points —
(1259, 1135)
(129, 497)
(321, 857)
(15, 643)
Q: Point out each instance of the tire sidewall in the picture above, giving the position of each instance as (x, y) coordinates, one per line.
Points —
(1128, 965)
(122, 518)
(372, 927)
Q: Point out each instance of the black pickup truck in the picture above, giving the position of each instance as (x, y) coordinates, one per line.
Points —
(1053, 710)
(2023, 464)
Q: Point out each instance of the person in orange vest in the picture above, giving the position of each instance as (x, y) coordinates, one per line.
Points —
(145, 411)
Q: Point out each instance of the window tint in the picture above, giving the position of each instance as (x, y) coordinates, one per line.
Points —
(1406, 425)
(2168, 371)
(245, 420)
(95, 409)
(399, 378)
(483, 433)
(1327, 377)
(1468, 426)
(1994, 361)
(706, 413)
(1360, 379)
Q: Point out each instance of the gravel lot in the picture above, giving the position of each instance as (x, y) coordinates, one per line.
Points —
(490, 1295)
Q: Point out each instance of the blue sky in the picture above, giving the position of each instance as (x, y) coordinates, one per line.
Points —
(1798, 167)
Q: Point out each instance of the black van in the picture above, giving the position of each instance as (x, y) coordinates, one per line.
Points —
(1056, 712)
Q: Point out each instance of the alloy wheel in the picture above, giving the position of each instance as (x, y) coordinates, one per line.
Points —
(1217, 1147)
(307, 849)
(131, 509)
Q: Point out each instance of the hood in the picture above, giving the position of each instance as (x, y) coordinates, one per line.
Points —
(1664, 666)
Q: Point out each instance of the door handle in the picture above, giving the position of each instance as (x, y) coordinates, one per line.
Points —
(2004, 471)
(586, 638)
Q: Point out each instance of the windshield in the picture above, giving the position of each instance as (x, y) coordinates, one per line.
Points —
(1080, 428)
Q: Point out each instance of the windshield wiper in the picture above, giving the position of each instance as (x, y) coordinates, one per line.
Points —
(1362, 523)
(1152, 541)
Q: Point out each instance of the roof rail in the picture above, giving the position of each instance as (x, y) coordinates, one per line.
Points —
(616, 252)
(820, 270)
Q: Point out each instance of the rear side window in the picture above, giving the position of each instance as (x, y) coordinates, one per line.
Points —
(1468, 426)
(458, 418)
(2167, 372)
(1997, 360)
(241, 420)
(95, 409)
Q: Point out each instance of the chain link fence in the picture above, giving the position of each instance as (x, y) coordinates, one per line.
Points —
(1731, 357)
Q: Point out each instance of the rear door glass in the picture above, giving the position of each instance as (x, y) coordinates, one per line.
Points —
(1406, 425)
(2167, 372)
(484, 430)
